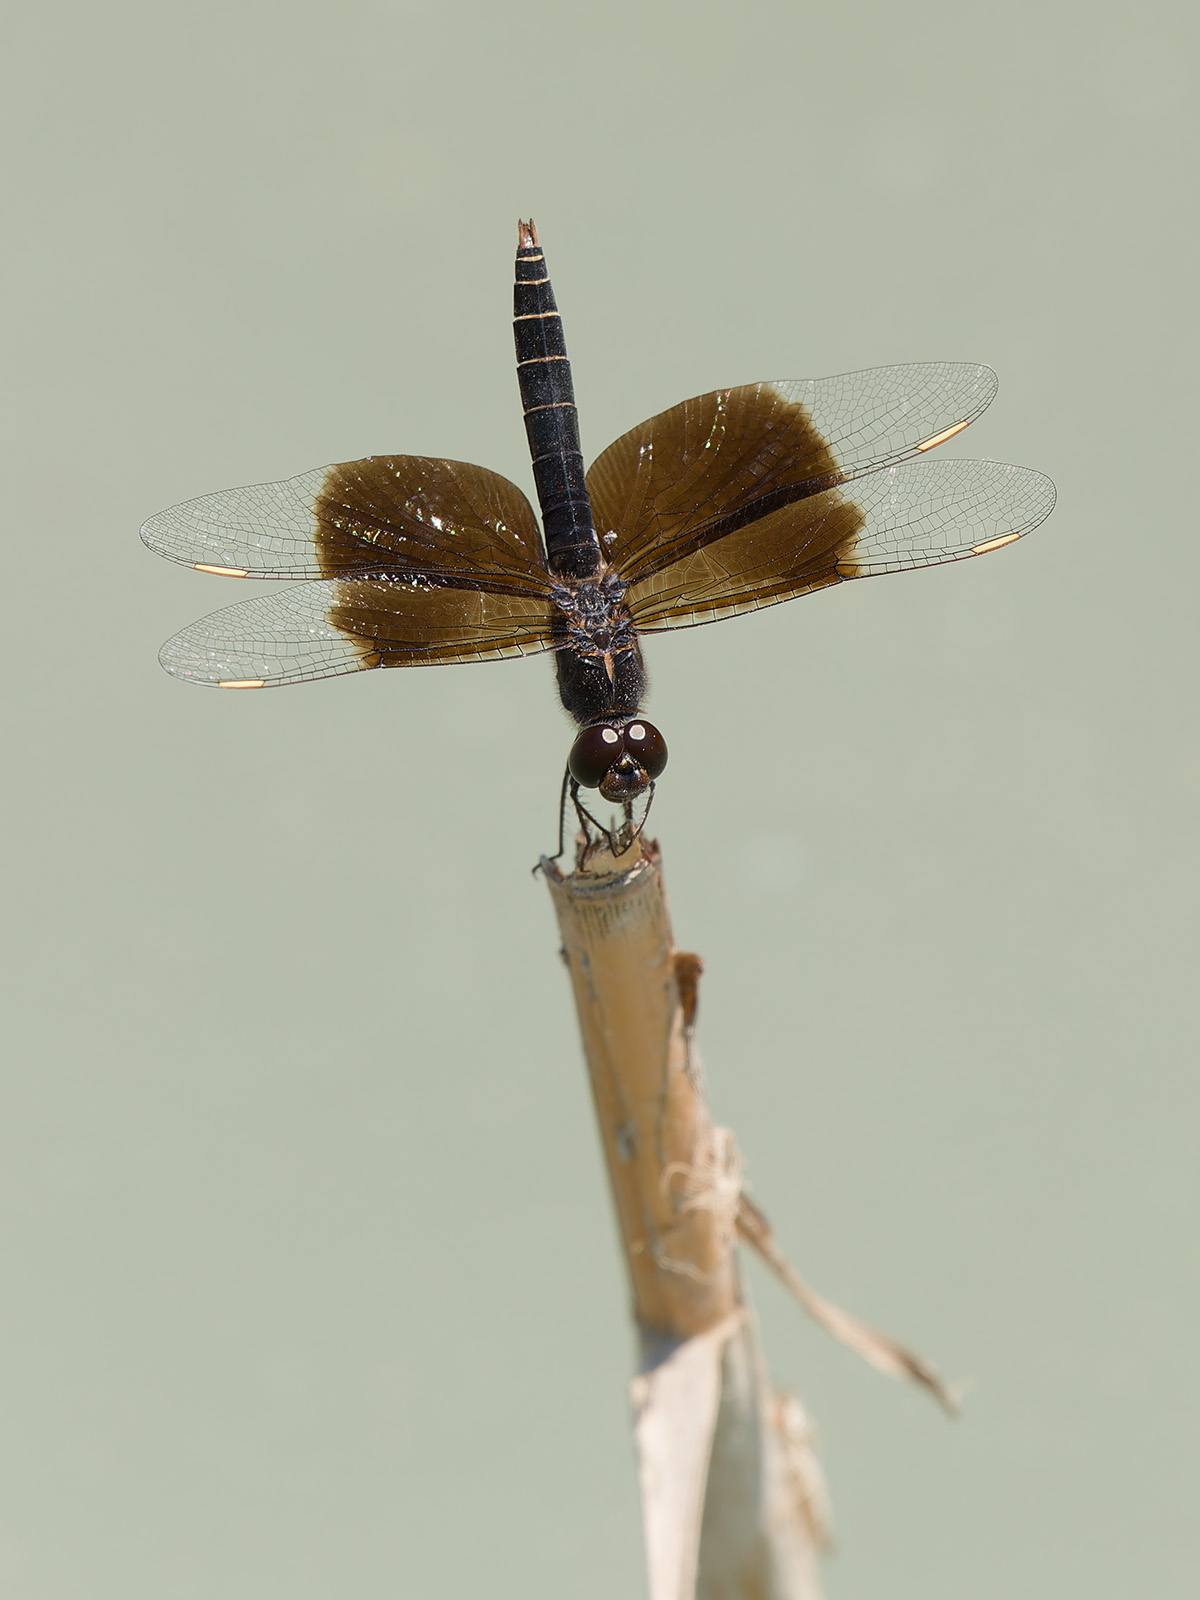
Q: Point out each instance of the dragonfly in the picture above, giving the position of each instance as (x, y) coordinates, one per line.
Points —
(726, 503)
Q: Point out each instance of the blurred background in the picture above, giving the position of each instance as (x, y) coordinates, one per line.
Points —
(310, 1281)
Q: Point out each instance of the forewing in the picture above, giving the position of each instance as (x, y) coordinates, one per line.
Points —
(318, 630)
(918, 514)
(385, 514)
(713, 463)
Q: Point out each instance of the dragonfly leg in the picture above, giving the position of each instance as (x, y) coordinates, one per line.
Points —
(588, 822)
(618, 840)
(638, 831)
(562, 818)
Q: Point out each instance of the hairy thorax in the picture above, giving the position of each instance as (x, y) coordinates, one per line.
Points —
(596, 618)
(600, 672)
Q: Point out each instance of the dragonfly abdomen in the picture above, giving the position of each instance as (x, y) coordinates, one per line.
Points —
(551, 423)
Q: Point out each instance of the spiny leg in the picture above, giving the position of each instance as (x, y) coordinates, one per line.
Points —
(636, 833)
(586, 817)
(562, 817)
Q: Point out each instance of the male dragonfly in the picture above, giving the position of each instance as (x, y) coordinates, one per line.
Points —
(725, 503)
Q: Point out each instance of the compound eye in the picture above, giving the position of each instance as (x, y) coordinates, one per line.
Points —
(592, 754)
(647, 747)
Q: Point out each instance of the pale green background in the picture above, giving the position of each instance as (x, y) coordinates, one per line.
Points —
(310, 1286)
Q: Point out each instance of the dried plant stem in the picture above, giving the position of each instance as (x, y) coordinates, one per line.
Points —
(731, 1494)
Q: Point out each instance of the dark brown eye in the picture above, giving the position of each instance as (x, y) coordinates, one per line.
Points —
(647, 747)
(592, 754)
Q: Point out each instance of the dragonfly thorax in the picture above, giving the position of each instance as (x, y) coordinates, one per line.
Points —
(600, 671)
(596, 616)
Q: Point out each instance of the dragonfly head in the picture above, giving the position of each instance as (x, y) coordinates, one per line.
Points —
(620, 759)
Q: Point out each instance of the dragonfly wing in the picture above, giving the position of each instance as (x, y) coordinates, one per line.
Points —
(694, 473)
(385, 514)
(918, 514)
(319, 630)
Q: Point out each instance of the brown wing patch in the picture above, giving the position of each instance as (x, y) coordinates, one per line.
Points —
(417, 624)
(708, 458)
(462, 523)
(790, 552)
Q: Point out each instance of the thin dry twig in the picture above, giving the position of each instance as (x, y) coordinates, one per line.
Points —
(883, 1352)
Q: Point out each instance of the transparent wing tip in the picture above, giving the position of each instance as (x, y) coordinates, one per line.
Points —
(275, 639)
